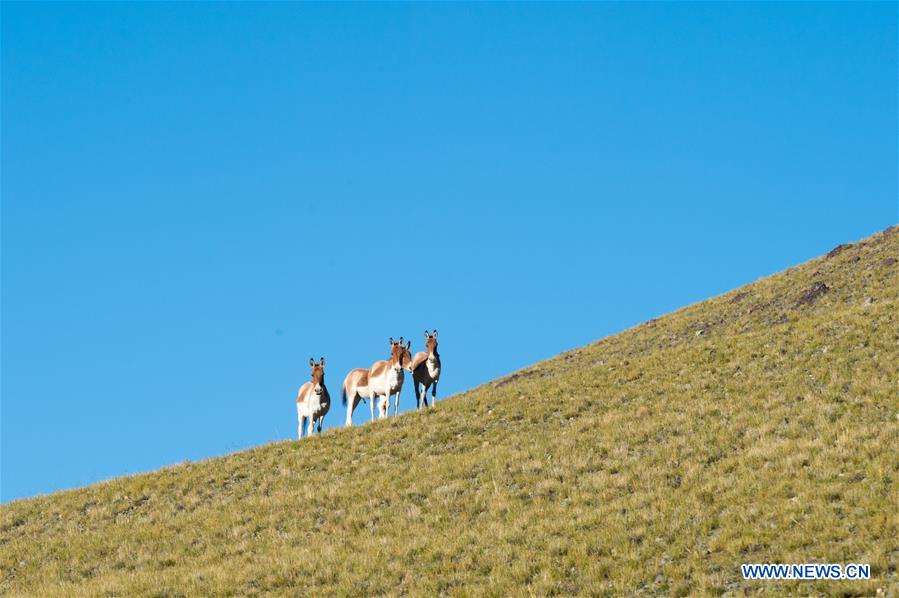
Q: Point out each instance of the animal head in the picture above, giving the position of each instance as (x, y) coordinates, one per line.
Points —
(399, 355)
(431, 344)
(318, 374)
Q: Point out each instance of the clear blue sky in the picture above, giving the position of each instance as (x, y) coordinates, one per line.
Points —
(196, 198)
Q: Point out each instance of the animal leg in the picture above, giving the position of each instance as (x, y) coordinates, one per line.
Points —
(417, 395)
(434, 394)
(396, 403)
(321, 419)
(300, 427)
(351, 406)
(311, 430)
(371, 400)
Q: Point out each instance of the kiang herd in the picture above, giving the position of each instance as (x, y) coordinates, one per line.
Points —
(383, 379)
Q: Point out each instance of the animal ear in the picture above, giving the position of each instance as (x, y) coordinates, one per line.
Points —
(427, 334)
(408, 345)
(321, 361)
(401, 341)
(435, 333)
(311, 362)
(391, 341)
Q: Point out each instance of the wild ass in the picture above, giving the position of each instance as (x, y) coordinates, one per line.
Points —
(382, 379)
(313, 400)
(426, 371)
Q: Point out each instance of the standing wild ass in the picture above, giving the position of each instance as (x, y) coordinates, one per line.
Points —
(313, 400)
(426, 371)
(382, 379)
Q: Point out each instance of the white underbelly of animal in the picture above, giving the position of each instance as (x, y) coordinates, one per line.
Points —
(314, 405)
(433, 370)
(389, 383)
(304, 409)
(395, 379)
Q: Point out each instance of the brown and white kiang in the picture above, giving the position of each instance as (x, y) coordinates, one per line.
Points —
(313, 400)
(426, 371)
(383, 379)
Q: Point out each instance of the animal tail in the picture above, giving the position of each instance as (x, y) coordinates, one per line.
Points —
(343, 388)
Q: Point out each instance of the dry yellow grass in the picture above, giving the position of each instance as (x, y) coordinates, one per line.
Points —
(759, 426)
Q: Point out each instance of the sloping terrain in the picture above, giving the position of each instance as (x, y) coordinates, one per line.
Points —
(758, 426)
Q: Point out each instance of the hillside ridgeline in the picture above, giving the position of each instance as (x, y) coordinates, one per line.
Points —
(758, 426)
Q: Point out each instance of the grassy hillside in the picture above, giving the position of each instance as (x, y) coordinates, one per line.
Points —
(759, 426)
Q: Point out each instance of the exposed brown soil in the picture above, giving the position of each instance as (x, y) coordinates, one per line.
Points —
(739, 297)
(812, 294)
